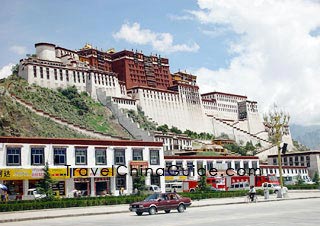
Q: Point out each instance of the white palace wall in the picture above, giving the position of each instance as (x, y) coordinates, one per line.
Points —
(172, 109)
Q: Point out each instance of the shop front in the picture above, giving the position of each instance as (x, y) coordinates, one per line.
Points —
(19, 180)
(92, 181)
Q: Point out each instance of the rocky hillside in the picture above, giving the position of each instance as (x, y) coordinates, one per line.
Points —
(68, 105)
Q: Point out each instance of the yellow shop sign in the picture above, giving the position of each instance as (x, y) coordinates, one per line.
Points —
(29, 174)
(172, 178)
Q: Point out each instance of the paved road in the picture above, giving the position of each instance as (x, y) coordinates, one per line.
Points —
(289, 212)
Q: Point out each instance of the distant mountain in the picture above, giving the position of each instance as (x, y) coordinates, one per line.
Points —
(306, 135)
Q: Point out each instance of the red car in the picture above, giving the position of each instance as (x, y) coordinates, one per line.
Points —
(158, 202)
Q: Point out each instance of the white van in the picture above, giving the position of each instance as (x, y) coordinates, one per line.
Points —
(150, 189)
(33, 194)
(239, 186)
(174, 186)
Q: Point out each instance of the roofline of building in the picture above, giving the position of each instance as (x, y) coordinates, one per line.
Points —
(74, 141)
(228, 94)
(283, 167)
(44, 43)
(211, 157)
(297, 153)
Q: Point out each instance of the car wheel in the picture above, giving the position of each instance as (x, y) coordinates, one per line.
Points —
(167, 211)
(181, 208)
(139, 213)
(192, 190)
(152, 210)
(276, 192)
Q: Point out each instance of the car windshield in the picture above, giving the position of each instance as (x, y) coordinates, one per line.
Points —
(152, 197)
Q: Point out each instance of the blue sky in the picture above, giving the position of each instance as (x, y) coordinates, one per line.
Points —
(268, 50)
(73, 23)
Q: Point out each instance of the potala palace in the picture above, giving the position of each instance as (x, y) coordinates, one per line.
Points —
(130, 79)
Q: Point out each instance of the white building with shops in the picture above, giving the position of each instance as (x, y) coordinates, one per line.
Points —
(95, 167)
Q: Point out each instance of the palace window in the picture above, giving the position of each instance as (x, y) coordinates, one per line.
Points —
(13, 156)
(61, 78)
(81, 156)
(101, 156)
(41, 72)
(37, 156)
(35, 71)
(55, 74)
(48, 73)
(67, 75)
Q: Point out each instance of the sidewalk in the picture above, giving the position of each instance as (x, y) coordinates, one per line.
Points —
(113, 209)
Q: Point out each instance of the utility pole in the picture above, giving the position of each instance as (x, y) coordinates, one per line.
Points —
(277, 124)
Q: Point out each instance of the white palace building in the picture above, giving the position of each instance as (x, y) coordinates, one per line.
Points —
(132, 79)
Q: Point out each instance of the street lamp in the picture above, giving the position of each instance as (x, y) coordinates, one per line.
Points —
(276, 123)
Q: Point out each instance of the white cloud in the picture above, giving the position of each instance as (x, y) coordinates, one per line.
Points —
(5, 71)
(20, 50)
(177, 17)
(162, 42)
(277, 60)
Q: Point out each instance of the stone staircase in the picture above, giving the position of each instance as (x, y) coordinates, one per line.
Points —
(253, 136)
(124, 120)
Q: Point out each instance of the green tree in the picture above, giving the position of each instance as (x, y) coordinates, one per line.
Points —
(15, 69)
(203, 186)
(164, 128)
(45, 185)
(316, 178)
(139, 183)
(175, 130)
(300, 180)
(276, 123)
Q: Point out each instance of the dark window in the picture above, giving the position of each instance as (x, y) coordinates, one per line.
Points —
(81, 156)
(168, 164)
(155, 180)
(237, 165)
(35, 71)
(119, 157)
(37, 156)
(61, 77)
(13, 156)
(60, 156)
(41, 72)
(48, 73)
(101, 156)
(121, 182)
(67, 75)
(254, 165)
(137, 154)
(154, 157)
(55, 74)
(209, 165)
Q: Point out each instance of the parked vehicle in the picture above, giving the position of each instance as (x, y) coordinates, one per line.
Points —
(225, 183)
(239, 186)
(150, 189)
(160, 202)
(174, 186)
(274, 187)
(33, 194)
